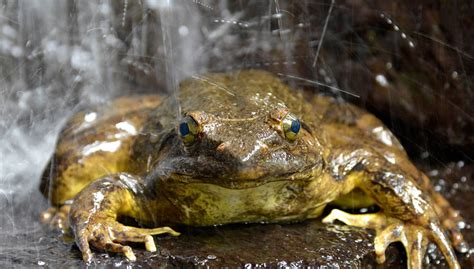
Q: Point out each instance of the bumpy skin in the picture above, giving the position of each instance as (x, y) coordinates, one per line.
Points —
(240, 167)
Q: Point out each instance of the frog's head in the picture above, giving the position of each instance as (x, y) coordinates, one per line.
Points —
(243, 133)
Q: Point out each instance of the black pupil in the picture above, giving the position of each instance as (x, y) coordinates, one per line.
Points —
(295, 126)
(184, 129)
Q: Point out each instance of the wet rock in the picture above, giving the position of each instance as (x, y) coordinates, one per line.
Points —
(246, 245)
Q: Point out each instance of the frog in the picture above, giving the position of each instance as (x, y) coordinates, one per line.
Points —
(238, 147)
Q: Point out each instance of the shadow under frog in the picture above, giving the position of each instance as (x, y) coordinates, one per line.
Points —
(245, 149)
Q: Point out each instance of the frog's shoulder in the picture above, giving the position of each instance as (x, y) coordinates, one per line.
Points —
(94, 141)
(90, 119)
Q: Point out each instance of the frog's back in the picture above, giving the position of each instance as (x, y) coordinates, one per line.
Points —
(95, 142)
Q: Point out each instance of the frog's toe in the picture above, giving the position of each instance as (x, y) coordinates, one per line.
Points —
(111, 236)
(103, 241)
(141, 235)
(47, 215)
(57, 218)
(82, 242)
(371, 221)
(458, 239)
(413, 239)
(101, 238)
(452, 224)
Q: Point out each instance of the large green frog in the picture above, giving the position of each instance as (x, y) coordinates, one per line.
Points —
(242, 148)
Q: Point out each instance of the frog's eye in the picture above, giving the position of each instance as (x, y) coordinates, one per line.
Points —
(291, 126)
(188, 130)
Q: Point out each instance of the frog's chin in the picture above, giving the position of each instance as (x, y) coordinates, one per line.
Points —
(245, 180)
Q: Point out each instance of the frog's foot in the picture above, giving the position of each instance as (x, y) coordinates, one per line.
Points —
(414, 238)
(453, 224)
(109, 235)
(56, 217)
(451, 221)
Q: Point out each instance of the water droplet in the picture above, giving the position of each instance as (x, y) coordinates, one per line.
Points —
(9, 31)
(381, 80)
(16, 51)
(183, 30)
(105, 9)
(89, 117)
(157, 4)
(425, 155)
(461, 225)
(454, 75)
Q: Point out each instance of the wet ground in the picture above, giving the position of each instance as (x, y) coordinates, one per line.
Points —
(247, 245)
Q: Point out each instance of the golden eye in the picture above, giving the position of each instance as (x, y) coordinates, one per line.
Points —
(291, 126)
(188, 130)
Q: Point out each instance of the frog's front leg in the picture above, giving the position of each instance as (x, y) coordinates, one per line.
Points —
(94, 212)
(407, 214)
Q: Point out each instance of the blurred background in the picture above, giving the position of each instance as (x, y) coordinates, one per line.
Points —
(409, 62)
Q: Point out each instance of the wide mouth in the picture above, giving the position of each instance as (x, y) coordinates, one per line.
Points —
(236, 182)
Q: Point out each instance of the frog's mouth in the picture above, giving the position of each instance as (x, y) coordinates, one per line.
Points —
(245, 178)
